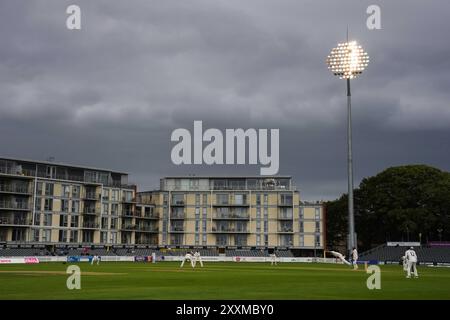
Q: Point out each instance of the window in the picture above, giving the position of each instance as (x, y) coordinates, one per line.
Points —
(62, 235)
(204, 239)
(104, 223)
(286, 199)
(197, 225)
(36, 235)
(63, 220)
(127, 196)
(75, 206)
(204, 225)
(115, 195)
(205, 199)
(258, 226)
(266, 240)
(301, 213)
(104, 237)
(39, 188)
(221, 240)
(222, 198)
(266, 226)
(114, 209)
(65, 190)
(51, 172)
(37, 219)
(317, 226)
(266, 214)
(38, 204)
(47, 219)
(197, 199)
(258, 199)
(64, 205)
(317, 213)
(48, 206)
(258, 239)
(75, 191)
(74, 236)
(197, 239)
(106, 194)
(46, 236)
(317, 242)
(49, 189)
(178, 199)
(301, 227)
(301, 240)
(266, 198)
(74, 222)
(240, 199)
(113, 223)
(113, 237)
(105, 208)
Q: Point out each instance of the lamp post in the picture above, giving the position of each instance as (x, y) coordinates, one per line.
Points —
(347, 61)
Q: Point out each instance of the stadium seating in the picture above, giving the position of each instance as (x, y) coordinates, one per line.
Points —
(425, 254)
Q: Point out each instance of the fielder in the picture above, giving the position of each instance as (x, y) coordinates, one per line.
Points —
(411, 259)
(198, 258)
(273, 259)
(355, 258)
(189, 257)
(405, 263)
(340, 257)
(95, 258)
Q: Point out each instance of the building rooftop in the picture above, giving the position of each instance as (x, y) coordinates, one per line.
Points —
(52, 163)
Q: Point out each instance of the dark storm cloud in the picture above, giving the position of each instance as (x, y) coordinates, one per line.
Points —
(111, 94)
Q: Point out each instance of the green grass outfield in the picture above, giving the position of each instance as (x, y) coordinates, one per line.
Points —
(165, 280)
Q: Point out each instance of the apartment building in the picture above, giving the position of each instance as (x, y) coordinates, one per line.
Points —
(53, 203)
(48, 202)
(235, 212)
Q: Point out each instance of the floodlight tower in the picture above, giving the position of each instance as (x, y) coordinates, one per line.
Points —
(347, 61)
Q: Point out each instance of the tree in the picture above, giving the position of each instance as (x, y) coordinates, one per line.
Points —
(397, 204)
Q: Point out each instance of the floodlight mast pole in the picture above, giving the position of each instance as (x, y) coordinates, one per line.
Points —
(351, 218)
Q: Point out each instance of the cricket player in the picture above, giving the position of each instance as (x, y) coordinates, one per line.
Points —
(411, 259)
(340, 257)
(405, 263)
(198, 258)
(355, 258)
(189, 257)
(273, 259)
(95, 258)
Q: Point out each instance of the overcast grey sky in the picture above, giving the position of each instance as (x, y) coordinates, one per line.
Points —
(110, 94)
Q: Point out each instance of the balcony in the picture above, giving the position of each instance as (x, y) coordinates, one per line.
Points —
(128, 227)
(177, 229)
(9, 205)
(15, 221)
(128, 214)
(150, 216)
(11, 188)
(285, 217)
(230, 216)
(230, 230)
(146, 229)
(177, 216)
(178, 203)
(90, 225)
(285, 203)
(128, 200)
(229, 204)
(91, 211)
(92, 196)
(285, 230)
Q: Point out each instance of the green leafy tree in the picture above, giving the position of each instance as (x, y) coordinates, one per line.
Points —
(397, 204)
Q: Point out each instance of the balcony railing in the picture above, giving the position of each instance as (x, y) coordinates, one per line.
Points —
(92, 196)
(177, 229)
(175, 216)
(11, 188)
(15, 221)
(285, 217)
(285, 230)
(231, 216)
(146, 229)
(150, 216)
(14, 205)
(230, 230)
(93, 211)
(178, 203)
(90, 225)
